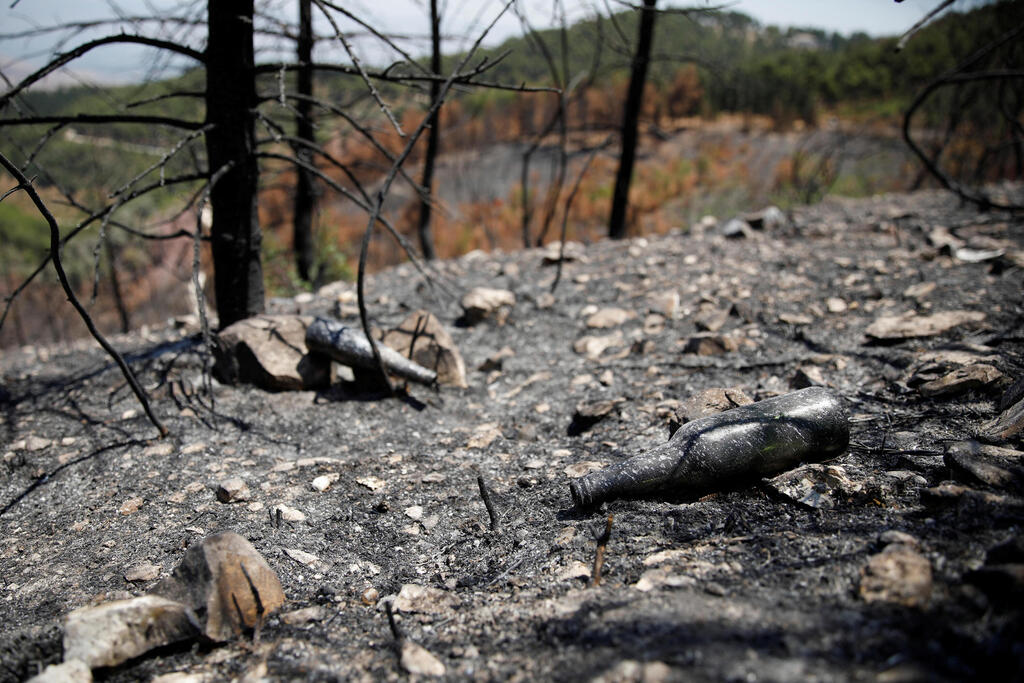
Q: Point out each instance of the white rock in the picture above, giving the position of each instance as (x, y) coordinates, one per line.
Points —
(147, 571)
(114, 632)
(423, 599)
(372, 483)
(417, 660)
(323, 482)
(289, 514)
(301, 556)
(233, 490)
(484, 302)
(71, 671)
(609, 317)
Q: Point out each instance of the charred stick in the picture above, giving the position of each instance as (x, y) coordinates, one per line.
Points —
(492, 513)
(602, 544)
(395, 631)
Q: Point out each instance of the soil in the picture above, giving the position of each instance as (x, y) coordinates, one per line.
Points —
(754, 585)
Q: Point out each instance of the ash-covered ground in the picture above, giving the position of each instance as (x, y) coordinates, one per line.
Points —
(788, 579)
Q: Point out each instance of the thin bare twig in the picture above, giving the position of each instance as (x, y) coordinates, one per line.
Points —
(69, 56)
(905, 38)
(89, 220)
(568, 206)
(979, 198)
(55, 243)
(491, 512)
(602, 544)
(358, 65)
(378, 205)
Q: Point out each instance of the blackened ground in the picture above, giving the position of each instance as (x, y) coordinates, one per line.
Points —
(758, 587)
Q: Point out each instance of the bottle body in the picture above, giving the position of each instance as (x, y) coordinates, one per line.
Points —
(757, 440)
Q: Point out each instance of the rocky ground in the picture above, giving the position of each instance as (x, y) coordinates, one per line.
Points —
(899, 559)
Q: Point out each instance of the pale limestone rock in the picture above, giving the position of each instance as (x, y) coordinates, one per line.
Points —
(114, 632)
(270, 352)
(71, 671)
(910, 325)
(422, 338)
(898, 574)
(483, 302)
(609, 317)
(417, 660)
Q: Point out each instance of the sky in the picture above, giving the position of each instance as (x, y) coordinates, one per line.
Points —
(19, 56)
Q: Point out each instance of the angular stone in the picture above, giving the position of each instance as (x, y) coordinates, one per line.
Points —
(712, 319)
(715, 344)
(736, 228)
(578, 469)
(707, 402)
(413, 597)
(962, 380)
(497, 359)
(233, 490)
(484, 435)
(768, 218)
(37, 443)
(483, 302)
(553, 252)
(898, 574)
(816, 486)
(1004, 426)
(304, 616)
(919, 291)
(71, 671)
(807, 376)
(593, 346)
(795, 318)
(289, 514)
(423, 338)
(590, 413)
(270, 352)
(609, 317)
(114, 632)
(664, 303)
(975, 463)
(301, 556)
(836, 305)
(227, 583)
(910, 325)
(147, 571)
(418, 661)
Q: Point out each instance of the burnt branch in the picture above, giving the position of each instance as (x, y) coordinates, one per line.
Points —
(89, 220)
(378, 205)
(103, 118)
(55, 244)
(359, 68)
(73, 54)
(968, 194)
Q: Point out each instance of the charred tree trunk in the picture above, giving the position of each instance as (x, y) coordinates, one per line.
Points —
(230, 107)
(305, 186)
(433, 137)
(630, 122)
